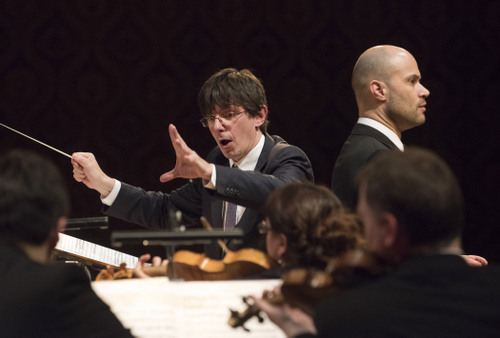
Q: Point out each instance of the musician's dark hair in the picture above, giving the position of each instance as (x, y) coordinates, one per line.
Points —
(315, 223)
(420, 190)
(231, 86)
(32, 197)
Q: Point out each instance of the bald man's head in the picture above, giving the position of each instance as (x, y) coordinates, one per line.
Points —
(386, 83)
(376, 63)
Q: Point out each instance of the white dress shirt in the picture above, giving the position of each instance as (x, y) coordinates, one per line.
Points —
(384, 130)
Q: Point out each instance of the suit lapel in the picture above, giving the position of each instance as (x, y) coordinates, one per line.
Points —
(268, 145)
(248, 219)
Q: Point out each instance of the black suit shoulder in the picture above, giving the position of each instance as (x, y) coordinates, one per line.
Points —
(279, 163)
(361, 146)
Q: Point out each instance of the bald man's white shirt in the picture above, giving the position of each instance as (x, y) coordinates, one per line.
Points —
(384, 130)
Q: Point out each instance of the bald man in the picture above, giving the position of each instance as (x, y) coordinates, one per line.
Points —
(390, 99)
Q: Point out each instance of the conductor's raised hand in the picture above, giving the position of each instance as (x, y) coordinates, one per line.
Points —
(87, 170)
(188, 163)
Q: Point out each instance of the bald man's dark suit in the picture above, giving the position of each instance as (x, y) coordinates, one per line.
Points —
(279, 163)
(363, 143)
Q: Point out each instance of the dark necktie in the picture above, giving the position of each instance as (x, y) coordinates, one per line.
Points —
(230, 216)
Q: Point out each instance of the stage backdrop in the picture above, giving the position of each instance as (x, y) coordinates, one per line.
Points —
(109, 76)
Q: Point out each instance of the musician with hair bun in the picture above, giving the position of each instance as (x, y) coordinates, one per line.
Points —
(306, 228)
(306, 224)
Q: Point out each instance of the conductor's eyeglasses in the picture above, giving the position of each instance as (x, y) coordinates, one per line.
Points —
(225, 119)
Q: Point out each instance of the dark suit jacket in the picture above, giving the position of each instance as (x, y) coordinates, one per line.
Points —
(54, 300)
(363, 143)
(278, 164)
(428, 296)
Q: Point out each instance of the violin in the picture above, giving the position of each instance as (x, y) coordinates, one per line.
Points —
(238, 319)
(245, 262)
(191, 266)
(304, 288)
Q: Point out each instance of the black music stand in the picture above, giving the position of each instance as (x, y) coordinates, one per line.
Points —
(87, 223)
(170, 239)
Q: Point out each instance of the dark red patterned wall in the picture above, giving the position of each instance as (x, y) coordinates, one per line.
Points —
(109, 76)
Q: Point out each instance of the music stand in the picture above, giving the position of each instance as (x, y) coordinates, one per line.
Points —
(170, 239)
(87, 223)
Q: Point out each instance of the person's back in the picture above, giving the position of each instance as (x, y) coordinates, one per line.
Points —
(54, 300)
(40, 298)
(428, 296)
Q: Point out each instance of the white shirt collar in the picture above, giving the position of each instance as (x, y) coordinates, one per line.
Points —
(384, 130)
(250, 160)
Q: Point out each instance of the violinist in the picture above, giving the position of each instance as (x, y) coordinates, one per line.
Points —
(412, 210)
(305, 224)
(40, 298)
(227, 187)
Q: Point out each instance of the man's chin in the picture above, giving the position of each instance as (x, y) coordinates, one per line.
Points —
(420, 120)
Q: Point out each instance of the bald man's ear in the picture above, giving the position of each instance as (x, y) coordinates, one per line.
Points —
(378, 90)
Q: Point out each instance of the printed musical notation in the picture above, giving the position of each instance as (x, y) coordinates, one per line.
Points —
(157, 307)
(91, 253)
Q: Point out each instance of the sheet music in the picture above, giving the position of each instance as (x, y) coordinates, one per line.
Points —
(92, 252)
(156, 307)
